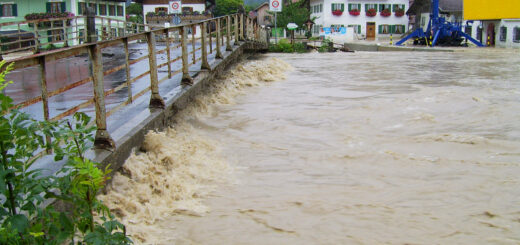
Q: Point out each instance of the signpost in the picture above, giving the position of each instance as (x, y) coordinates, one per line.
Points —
(175, 7)
(275, 6)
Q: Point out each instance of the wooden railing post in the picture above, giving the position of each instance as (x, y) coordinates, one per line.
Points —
(242, 27)
(90, 19)
(156, 100)
(36, 38)
(236, 29)
(127, 70)
(205, 64)
(186, 78)
(45, 95)
(168, 51)
(219, 52)
(210, 37)
(228, 33)
(65, 35)
(102, 139)
(193, 42)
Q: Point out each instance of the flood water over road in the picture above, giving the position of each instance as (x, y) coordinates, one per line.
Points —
(350, 148)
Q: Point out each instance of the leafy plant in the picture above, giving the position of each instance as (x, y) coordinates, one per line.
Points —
(326, 45)
(25, 219)
(22, 187)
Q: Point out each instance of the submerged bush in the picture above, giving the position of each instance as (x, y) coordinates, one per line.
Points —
(285, 46)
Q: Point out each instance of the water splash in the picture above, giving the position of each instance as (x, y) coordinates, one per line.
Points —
(178, 167)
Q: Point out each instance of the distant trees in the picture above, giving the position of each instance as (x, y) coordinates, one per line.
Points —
(293, 13)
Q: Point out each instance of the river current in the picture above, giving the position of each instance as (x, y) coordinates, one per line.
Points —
(336, 148)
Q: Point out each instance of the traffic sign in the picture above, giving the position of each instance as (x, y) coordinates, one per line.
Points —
(175, 7)
(176, 20)
(275, 5)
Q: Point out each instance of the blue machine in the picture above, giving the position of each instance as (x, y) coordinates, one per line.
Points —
(439, 32)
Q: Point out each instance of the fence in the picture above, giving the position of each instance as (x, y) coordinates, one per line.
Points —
(33, 35)
(226, 29)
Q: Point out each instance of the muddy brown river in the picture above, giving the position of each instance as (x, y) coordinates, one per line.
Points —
(339, 148)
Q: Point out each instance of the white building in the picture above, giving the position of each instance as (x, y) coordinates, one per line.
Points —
(504, 33)
(373, 20)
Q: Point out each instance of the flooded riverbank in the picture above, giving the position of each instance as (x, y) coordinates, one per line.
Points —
(350, 148)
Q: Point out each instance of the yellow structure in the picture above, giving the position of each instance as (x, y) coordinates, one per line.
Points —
(491, 9)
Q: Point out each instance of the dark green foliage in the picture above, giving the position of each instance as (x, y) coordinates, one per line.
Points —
(292, 13)
(284, 46)
(325, 45)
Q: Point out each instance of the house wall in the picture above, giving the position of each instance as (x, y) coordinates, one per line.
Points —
(326, 18)
(262, 14)
(491, 10)
(25, 7)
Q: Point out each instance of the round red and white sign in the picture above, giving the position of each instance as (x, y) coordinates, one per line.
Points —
(275, 4)
(175, 6)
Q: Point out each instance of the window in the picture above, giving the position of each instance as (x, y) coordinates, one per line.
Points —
(161, 9)
(336, 28)
(352, 6)
(267, 18)
(187, 9)
(503, 33)
(120, 11)
(338, 6)
(384, 29)
(56, 7)
(316, 29)
(318, 8)
(516, 35)
(9, 10)
(395, 7)
(423, 20)
(94, 6)
(370, 6)
(398, 29)
(357, 28)
(385, 6)
(102, 9)
(112, 10)
(82, 8)
(479, 34)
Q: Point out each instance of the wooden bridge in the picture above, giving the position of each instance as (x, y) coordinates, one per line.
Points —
(178, 68)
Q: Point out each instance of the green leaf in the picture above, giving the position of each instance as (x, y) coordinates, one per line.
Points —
(18, 222)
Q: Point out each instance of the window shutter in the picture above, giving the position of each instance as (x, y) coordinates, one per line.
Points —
(359, 28)
(366, 7)
(359, 7)
(342, 7)
(380, 29)
(48, 7)
(1, 11)
(392, 29)
(402, 6)
(15, 10)
(80, 11)
(63, 7)
(349, 7)
(332, 7)
(380, 7)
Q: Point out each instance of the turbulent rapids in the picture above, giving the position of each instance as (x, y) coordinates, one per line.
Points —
(176, 168)
(342, 148)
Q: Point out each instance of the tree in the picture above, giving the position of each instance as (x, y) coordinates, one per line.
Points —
(225, 7)
(135, 8)
(292, 13)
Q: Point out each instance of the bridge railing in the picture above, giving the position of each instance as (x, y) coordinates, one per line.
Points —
(35, 35)
(60, 90)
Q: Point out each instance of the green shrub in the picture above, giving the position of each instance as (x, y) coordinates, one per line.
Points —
(284, 46)
(24, 217)
(299, 48)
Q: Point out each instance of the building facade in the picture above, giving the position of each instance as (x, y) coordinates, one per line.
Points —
(367, 19)
(493, 24)
(157, 13)
(16, 10)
